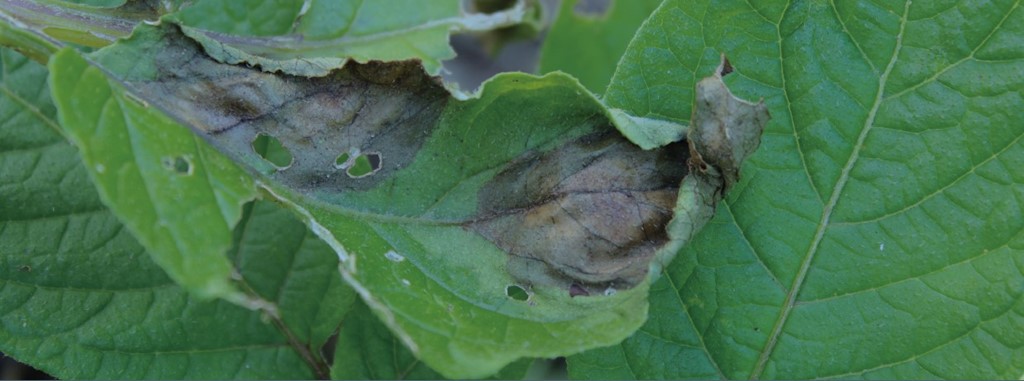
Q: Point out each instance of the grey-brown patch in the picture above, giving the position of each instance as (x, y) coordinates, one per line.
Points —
(593, 212)
(386, 108)
(725, 130)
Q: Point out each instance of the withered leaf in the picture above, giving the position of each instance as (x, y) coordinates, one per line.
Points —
(527, 185)
(393, 106)
(596, 212)
(580, 207)
(726, 130)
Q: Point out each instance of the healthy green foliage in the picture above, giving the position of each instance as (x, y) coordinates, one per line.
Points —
(878, 231)
(368, 351)
(128, 149)
(80, 297)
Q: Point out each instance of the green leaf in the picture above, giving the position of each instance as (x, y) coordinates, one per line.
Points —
(588, 43)
(84, 23)
(455, 207)
(128, 149)
(877, 233)
(285, 264)
(367, 350)
(80, 297)
(312, 38)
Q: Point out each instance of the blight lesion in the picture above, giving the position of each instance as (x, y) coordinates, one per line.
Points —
(590, 214)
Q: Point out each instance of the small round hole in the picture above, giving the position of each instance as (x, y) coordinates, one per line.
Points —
(179, 164)
(364, 165)
(516, 292)
(342, 160)
(271, 150)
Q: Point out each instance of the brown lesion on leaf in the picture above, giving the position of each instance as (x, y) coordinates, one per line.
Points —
(725, 129)
(590, 216)
(386, 108)
(587, 217)
(593, 212)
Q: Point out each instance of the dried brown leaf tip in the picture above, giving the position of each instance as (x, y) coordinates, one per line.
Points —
(725, 130)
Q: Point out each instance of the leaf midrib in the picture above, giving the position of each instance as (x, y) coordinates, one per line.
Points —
(826, 214)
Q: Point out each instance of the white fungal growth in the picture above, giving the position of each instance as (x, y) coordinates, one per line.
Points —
(406, 282)
(610, 291)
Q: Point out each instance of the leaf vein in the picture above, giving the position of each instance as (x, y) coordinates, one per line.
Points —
(826, 216)
(689, 318)
(969, 56)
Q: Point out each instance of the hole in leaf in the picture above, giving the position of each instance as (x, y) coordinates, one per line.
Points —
(179, 164)
(726, 67)
(516, 292)
(271, 150)
(342, 160)
(487, 6)
(364, 165)
(374, 159)
(577, 290)
(594, 9)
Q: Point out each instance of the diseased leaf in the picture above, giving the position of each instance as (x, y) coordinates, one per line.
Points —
(80, 298)
(403, 182)
(312, 38)
(726, 130)
(587, 40)
(877, 233)
(594, 210)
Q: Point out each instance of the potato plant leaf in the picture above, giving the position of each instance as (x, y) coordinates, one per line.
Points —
(81, 298)
(437, 207)
(311, 38)
(877, 233)
(367, 350)
(86, 23)
(129, 148)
